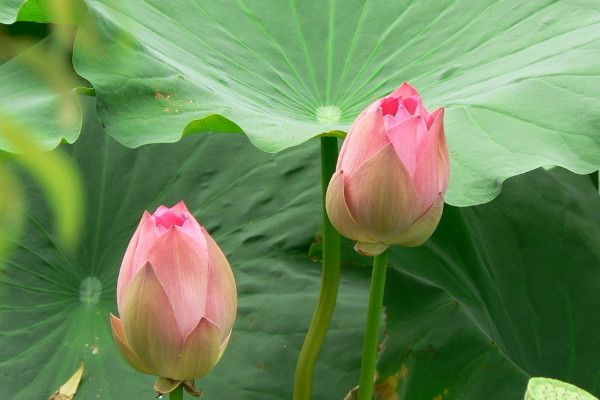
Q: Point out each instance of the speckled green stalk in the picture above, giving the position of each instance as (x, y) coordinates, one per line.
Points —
(305, 369)
(369, 356)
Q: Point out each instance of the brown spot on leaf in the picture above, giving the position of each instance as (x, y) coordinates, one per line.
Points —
(386, 390)
(171, 98)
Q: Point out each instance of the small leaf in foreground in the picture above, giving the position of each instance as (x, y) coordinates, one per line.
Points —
(68, 390)
(553, 389)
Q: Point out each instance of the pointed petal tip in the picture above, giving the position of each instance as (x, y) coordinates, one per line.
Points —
(405, 90)
(180, 208)
(438, 114)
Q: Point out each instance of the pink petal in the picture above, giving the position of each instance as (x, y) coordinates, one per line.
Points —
(423, 228)
(437, 127)
(181, 266)
(392, 120)
(366, 137)
(180, 208)
(134, 258)
(221, 299)
(337, 210)
(405, 137)
(411, 103)
(426, 177)
(123, 345)
(380, 195)
(415, 106)
(149, 322)
(404, 91)
(389, 105)
(194, 230)
(168, 219)
(201, 352)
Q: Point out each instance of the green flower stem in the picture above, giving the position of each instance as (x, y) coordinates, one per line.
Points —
(177, 394)
(305, 369)
(369, 356)
(594, 177)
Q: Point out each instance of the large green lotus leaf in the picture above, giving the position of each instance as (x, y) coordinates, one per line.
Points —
(263, 209)
(55, 11)
(502, 292)
(37, 92)
(9, 10)
(518, 78)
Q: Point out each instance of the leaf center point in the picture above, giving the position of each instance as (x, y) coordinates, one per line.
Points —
(329, 114)
(90, 290)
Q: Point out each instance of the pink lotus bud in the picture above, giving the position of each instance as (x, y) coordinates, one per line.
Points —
(176, 297)
(391, 175)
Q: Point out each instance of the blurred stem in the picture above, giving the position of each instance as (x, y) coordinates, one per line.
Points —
(594, 177)
(177, 394)
(370, 345)
(305, 369)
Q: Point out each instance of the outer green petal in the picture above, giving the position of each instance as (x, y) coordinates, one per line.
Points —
(337, 210)
(201, 351)
(381, 196)
(123, 345)
(150, 324)
(420, 231)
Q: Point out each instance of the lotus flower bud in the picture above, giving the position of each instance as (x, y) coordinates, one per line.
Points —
(391, 174)
(176, 297)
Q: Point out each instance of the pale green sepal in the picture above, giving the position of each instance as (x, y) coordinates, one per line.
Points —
(370, 249)
(552, 389)
(190, 387)
(166, 385)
